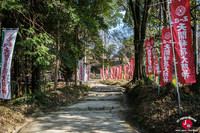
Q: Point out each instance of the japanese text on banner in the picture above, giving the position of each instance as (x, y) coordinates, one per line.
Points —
(166, 57)
(180, 12)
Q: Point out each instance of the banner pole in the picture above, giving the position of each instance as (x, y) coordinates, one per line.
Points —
(145, 60)
(1, 47)
(159, 61)
(153, 60)
(1, 56)
(177, 87)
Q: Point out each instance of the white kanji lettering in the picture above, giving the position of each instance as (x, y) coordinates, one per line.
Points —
(184, 60)
(181, 26)
(185, 18)
(183, 43)
(166, 63)
(176, 20)
(184, 66)
(165, 80)
(183, 51)
(182, 35)
(185, 74)
(165, 73)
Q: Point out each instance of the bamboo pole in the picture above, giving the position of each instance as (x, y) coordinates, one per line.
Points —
(174, 56)
(159, 61)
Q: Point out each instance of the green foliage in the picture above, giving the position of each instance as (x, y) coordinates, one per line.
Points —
(40, 42)
(61, 29)
(11, 4)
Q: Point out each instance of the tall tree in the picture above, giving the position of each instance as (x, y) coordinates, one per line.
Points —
(139, 12)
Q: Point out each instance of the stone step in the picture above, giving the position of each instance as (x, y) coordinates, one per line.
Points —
(99, 98)
(103, 94)
(63, 112)
(92, 105)
(108, 89)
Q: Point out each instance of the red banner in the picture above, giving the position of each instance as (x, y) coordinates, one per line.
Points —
(106, 73)
(120, 72)
(180, 12)
(114, 72)
(156, 67)
(88, 72)
(125, 72)
(117, 74)
(149, 56)
(166, 64)
(129, 70)
(101, 72)
(131, 67)
(111, 72)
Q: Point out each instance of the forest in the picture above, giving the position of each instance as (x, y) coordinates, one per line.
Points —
(54, 35)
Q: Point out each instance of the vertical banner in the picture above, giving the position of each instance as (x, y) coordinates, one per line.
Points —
(114, 72)
(111, 72)
(7, 53)
(120, 71)
(125, 72)
(106, 73)
(166, 57)
(101, 73)
(180, 12)
(117, 74)
(149, 56)
(132, 66)
(156, 68)
(129, 70)
(81, 70)
(88, 71)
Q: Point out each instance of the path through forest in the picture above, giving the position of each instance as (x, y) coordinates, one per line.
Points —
(98, 112)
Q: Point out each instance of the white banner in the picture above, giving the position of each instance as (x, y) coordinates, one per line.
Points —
(7, 53)
(81, 70)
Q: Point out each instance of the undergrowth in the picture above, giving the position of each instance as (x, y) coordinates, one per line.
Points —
(158, 113)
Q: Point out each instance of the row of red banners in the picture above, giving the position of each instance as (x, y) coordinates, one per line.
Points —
(84, 75)
(182, 39)
(116, 72)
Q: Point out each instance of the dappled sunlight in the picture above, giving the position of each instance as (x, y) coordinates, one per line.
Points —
(96, 113)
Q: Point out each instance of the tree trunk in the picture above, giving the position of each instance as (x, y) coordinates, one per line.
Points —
(34, 78)
(140, 22)
(76, 74)
(77, 54)
(15, 77)
(38, 78)
(56, 74)
(26, 74)
(195, 38)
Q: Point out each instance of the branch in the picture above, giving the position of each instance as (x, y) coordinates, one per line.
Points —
(35, 23)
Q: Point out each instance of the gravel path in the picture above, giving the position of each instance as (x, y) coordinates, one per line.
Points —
(98, 112)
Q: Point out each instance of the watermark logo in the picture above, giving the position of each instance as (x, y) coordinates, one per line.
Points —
(186, 124)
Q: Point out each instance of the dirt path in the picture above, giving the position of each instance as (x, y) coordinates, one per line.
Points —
(98, 112)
